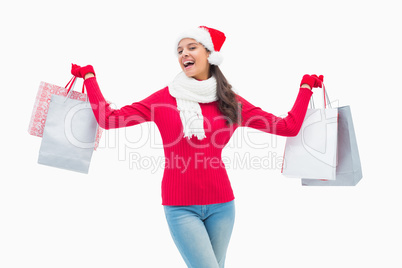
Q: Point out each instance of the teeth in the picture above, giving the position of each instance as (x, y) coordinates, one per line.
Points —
(186, 63)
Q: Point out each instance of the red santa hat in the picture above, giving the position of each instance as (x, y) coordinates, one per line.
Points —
(210, 38)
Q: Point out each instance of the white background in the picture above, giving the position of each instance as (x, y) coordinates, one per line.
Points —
(113, 216)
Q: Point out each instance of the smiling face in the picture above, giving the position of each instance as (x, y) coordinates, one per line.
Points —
(193, 59)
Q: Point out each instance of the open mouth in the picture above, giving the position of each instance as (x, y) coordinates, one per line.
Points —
(188, 64)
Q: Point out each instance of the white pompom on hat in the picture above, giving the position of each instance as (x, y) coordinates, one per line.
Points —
(210, 38)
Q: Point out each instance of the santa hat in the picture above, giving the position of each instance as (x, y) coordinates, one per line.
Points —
(212, 40)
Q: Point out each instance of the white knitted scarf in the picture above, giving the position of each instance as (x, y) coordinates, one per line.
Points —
(189, 92)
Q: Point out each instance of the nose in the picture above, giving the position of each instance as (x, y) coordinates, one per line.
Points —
(185, 52)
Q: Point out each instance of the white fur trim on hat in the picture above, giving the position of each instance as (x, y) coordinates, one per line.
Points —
(202, 36)
(215, 58)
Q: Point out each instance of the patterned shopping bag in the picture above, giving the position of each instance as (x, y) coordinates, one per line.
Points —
(41, 106)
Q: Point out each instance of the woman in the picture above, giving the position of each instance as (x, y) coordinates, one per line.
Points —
(196, 115)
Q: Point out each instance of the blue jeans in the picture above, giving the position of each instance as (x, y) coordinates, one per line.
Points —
(202, 232)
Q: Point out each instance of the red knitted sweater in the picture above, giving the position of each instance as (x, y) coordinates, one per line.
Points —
(194, 172)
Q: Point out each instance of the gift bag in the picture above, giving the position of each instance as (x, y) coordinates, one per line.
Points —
(348, 170)
(69, 134)
(313, 152)
(41, 106)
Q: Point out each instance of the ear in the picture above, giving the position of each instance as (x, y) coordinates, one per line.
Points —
(208, 52)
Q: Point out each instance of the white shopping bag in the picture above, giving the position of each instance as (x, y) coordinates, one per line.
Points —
(313, 152)
(69, 134)
(349, 169)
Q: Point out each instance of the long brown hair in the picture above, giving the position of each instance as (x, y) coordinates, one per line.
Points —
(228, 104)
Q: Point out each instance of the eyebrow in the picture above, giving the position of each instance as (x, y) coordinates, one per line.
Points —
(189, 45)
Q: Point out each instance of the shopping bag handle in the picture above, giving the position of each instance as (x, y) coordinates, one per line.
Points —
(326, 99)
(71, 88)
(71, 83)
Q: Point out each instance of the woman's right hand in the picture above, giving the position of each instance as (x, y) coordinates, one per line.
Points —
(82, 72)
(312, 81)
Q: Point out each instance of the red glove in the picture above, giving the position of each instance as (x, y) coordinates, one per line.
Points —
(312, 80)
(80, 72)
